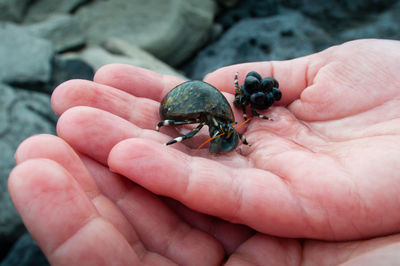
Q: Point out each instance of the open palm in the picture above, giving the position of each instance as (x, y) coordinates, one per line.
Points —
(327, 167)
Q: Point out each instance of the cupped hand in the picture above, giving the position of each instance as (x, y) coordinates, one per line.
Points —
(327, 167)
(80, 213)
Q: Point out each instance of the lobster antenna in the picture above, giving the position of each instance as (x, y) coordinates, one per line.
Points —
(210, 139)
(219, 135)
(244, 122)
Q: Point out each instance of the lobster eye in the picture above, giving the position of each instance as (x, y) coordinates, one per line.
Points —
(224, 144)
(251, 84)
(257, 98)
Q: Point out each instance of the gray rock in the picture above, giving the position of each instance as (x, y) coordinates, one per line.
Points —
(40, 9)
(22, 114)
(13, 10)
(63, 31)
(172, 30)
(139, 57)
(248, 9)
(25, 252)
(24, 58)
(274, 38)
(97, 57)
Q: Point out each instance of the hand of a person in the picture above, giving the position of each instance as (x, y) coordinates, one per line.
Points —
(80, 213)
(327, 167)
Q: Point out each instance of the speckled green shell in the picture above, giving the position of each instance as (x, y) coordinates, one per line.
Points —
(195, 99)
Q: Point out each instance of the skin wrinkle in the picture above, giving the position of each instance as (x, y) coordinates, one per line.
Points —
(272, 68)
(323, 72)
(133, 240)
(354, 196)
(362, 207)
(306, 218)
(136, 110)
(299, 202)
(119, 202)
(238, 196)
(172, 239)
(87, 222)
(340, 139)
(168, 245)
(293, 256)
(297, 198)
(307, 79)
(357, 195)
(139, 249)
(296, 140)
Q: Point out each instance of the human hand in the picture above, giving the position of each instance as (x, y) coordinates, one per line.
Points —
(52, 216)
(326, 167)
(82, 214)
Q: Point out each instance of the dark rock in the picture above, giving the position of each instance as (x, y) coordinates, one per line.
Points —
(25, 252)
(22, 114)
(65, 69)
(339, 14)
(384, 26)
(227, 3)
(247, 9)
(63, 31)
(13, 10)
(274, 38)
(24, 58)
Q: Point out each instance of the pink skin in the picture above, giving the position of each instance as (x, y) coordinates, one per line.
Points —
(326, 168)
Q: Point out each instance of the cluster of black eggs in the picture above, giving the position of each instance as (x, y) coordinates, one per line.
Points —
(259, 93)
(199, 102)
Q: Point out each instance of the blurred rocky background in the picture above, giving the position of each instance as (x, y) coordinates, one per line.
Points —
(45, 42)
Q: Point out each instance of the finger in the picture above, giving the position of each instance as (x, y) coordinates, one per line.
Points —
(293, 75)
(230, 235)
(62, 219)
(349, 73)
(56, 149)
(375, 251)
(160, 229)
(134, 202)
(266, 250)
(248, 196)
(94, 132)
(136, 81)
(140, 111)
